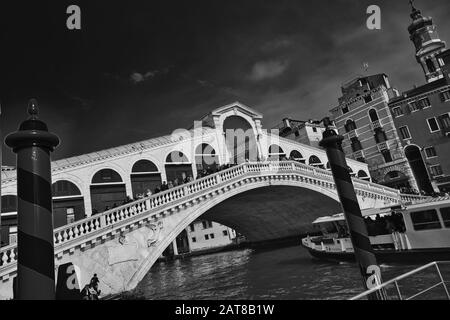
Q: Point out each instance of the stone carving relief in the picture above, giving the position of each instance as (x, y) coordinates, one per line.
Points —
(155, 233)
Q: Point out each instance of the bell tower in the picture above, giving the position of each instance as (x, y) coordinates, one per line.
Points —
(424, 35)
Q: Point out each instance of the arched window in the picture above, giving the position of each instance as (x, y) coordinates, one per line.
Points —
(68, 203)
(205, 157)
(373, 115)
(350, 125)
(297, 156)
(9, 203)
(144, 177)
(144, 166)
(240, 139)
(106, 176)
(276, 152)
(315, 161)
(178, 168)
(363, 175)
(107, 190)
(63, 188)
(176, 157)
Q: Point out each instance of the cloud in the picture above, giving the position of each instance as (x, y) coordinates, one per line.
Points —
(267, 69)
(137, 77)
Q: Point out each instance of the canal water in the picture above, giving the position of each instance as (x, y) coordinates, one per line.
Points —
(283, 273)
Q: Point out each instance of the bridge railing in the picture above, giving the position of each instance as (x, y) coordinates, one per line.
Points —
(106, 220)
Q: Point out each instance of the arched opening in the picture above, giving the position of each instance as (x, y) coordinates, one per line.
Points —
(373, 115)
(276, 153)
(418, 167)
(206, 158)
(350, 125)
(315, 161)
(144, 176)
(107, 190)
(296, 156)
(68, 203)
(178, 168)
(240, 139)
(398, 180)
(363, 175)
(8, 220)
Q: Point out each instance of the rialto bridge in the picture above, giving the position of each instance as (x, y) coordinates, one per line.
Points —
(263, 196)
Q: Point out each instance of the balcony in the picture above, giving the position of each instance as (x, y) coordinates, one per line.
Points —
(353, 134)
(376, 124)
(358, 154)
(382, 146)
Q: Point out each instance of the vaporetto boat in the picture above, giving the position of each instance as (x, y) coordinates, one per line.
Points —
(414, 233)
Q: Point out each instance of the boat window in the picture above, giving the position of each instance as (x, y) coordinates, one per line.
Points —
(425, 220)
(445, 213)
(379, 225)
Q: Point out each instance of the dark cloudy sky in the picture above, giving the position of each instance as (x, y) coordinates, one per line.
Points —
(140, 69)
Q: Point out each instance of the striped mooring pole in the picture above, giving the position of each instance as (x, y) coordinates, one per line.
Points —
(364, 254)
(36, 259)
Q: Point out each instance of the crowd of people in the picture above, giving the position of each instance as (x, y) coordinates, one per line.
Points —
(408, 190)
(385, 224)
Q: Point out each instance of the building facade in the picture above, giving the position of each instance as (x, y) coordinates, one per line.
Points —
(364, 119)
(307, 132)
(422, 114)
(206, 235)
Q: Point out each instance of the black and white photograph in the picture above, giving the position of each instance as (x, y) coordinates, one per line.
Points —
(223, 156)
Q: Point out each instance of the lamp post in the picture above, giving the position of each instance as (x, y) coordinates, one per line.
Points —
(36, 259)
(364, 254)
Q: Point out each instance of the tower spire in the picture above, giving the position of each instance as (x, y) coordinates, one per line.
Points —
(424, 35)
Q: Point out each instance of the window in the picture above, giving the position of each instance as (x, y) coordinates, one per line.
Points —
(296, 133)
(367, 98)
(225, 232)
(209, 224)
(205, 224)
(436, 170)
(380, 135)
(413, 106)
(194, 239)
(70, 215)
(350, 125)
(430, 65)
(314, 129)
(430, 152)
(387, 156)
(12, 234)
(192, 227)
(425, 220)
(211, 235)
(206, 237)
(344, 110)
(432, 124)
(356, 144)
(373, 115)
(445, 213)
(445, 96)
(424, 103)
(404, 132)
(444, 121)
(397, 111)
(361, 159)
